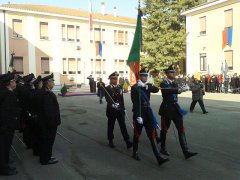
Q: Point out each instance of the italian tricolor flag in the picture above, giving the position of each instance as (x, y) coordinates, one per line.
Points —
(134, 55)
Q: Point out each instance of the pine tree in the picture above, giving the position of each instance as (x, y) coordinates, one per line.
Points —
(164, 38)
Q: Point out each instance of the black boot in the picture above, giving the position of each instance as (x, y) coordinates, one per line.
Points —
(135, 149)
(100, 101)
(129, 144)
(8, 172)
(164, 152)
(111, 144)
(183, 143)
(189, 154)
(163, 144)
(136, 157)
(160, 159)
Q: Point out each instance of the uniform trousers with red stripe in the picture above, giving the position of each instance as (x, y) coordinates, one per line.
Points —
(150, 130)
(178, 122)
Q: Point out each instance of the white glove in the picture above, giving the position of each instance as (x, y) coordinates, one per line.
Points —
(115, 105)
(140, 84)
(179, 90)
(140, 120)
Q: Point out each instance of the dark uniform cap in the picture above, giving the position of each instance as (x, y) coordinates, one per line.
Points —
(29, 77)
(48, 78)
(36, 81)
(5, 78)
(170, 69)
(113, 75)
(143, 72)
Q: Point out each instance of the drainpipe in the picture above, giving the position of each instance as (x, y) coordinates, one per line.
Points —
(5, 39)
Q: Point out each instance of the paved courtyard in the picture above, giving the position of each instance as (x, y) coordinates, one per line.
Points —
(215, 136)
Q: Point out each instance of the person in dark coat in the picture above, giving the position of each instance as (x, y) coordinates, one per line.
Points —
(143, 115)
(9, 121)
(226, 83)
(35, 102)
(171, 111)
(116, 110)
(198, 92)
(91, 83)
(26, 106)
(49, 120)
(101, 91)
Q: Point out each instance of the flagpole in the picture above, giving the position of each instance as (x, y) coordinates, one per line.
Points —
(90, 35)
(140, 108)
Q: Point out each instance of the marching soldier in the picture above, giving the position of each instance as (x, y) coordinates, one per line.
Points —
(9, 121)
(143, 115)
(171, 111)
(49, 120)
(116, 110)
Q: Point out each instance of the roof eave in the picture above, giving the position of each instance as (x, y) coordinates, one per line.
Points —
(188, 12)
(64, 16)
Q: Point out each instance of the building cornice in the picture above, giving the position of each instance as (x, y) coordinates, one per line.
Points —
(65, 16)
(208, 6)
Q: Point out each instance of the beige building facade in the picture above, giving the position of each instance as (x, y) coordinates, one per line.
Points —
(56, 40)
(206, 48)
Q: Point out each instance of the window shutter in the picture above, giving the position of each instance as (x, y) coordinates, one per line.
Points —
(17, 28)
(70, 33)
(203, 24)
(228, 18)
(43, 30)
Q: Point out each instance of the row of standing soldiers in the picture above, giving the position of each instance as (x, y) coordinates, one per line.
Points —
(27, 104)
(143, 115)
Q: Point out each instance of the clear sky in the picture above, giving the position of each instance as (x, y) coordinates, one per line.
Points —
(124, 7)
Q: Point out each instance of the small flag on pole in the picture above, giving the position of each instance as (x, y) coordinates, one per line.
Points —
(11, 63)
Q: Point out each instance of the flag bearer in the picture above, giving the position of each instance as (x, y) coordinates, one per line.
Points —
(143, 115)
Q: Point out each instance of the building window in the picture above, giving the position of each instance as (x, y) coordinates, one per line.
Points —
(228, 16)
(18, 65)
(126, 37)
(103, 36)
(17, 28)
(116, 65)
(63, 32)
(121, 66)
(44, 30)
(120, 37)
(79, 66)
(97, 34)
(71, 66)
(78, 33)
(115, 37)
(45, 69)
(98, 66)
(104, 66)
(203, 62)
(202, 21)
(64, 66)
(92, 66)
(70, 33)
(229, 59)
